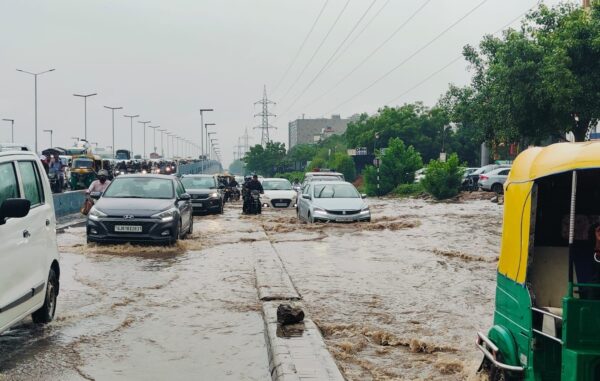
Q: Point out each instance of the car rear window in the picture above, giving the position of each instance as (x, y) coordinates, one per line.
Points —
(140, 187)
(9, 187)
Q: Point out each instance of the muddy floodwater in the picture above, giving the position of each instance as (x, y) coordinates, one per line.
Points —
(398, 298)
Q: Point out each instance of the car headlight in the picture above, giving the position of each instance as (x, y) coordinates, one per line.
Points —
(365, 210)
(96, 214)
(167, 215)
(214, 195)
(319, 210)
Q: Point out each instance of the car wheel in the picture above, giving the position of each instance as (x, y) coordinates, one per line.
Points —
(497, 188)
(222, 208)
(46, 313)
(190, 229)
(177, 234)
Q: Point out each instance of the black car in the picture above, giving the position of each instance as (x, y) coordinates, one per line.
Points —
(141, 208)
(205, 193)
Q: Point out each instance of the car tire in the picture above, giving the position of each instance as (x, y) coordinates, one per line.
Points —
(46, 313)
(191, 229)
(497, 188)
(177, 234)
(222, 209)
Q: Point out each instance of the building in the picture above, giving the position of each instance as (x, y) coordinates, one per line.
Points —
(303, 131)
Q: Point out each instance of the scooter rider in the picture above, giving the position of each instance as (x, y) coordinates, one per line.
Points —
(249, 186)
(101, 184)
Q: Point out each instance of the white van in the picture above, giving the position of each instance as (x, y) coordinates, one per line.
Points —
(29, 266)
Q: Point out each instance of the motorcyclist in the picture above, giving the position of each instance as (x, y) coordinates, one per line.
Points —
(100, 184)
(249, 186)
(56, 167)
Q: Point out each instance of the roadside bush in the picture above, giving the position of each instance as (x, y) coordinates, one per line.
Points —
(443, 180)
(317, 163)
(398, 166)
(407, 190)
(291, 175)
(344, 164)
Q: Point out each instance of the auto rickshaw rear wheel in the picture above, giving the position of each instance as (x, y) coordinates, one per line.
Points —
(493, 372)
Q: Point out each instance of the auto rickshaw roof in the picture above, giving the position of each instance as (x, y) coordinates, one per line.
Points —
(538, 162)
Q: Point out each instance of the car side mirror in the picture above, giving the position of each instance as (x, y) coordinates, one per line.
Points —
(306, 197)
(364, 195)
(95, 195)
(14, 208)
(185, 197)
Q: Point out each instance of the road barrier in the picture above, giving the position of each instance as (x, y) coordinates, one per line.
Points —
(68, 202)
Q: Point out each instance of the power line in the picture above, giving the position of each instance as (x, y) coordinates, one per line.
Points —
(415, 53)
(301, 47)
(318, 48)
(368, 56)
(451, 62)
(332, 56)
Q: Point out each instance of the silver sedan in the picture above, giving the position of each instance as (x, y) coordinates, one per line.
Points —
(332, 201)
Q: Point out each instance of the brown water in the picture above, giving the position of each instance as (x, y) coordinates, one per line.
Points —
(403, 297)
(141, 312)
(398, 298)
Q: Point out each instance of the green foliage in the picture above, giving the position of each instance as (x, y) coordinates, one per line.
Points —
(529, 85)
(428, 130)
(407, 190)
(267, 160)
(302, 153)
(344, 164)
(443, 179)
(316, 163)
(291, 175)
(237, 167)
(398, 166)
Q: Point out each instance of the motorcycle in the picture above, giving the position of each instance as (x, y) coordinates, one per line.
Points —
(55, 183)
(252, 203)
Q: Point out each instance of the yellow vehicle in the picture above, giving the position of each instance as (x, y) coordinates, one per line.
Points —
(547, 314)
(83, 170)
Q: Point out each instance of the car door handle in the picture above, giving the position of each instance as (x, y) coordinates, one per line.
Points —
(47, 222)
(26, 234)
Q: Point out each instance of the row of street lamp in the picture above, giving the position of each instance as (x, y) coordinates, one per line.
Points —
(207, 148)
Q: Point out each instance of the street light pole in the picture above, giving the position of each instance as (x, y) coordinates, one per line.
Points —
(144, 123)
(85, 97)
(50, 131)
(131, 131)
(208, 140)
(162, 147)
(154, 137)
(35, 75)
(113, 126)
(207, 137)
(12, 129)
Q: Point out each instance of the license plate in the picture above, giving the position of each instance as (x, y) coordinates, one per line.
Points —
(343, 219)
(199, 204)
(280, 204)
(128, 229)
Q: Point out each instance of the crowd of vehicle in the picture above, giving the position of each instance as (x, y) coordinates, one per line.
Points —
(490, 178)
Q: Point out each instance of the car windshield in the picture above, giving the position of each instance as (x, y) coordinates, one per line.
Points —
(336, 191)
(83, 163)
(198, 182)
(277, 185)
(140, 187)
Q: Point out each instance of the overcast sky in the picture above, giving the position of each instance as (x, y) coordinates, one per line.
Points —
(165, 59)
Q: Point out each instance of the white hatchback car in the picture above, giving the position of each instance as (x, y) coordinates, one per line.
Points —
(29, 265)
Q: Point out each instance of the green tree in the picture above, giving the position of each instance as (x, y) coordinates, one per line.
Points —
(443, 179)
(302, 153)
(398, 166)
(344, 164)
(266, 161)
(237, 167)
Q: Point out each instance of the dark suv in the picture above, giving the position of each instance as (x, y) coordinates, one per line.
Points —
(205, 193)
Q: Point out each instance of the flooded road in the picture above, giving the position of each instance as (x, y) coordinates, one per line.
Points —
(403, 297)
(162, 314)
(398, 298)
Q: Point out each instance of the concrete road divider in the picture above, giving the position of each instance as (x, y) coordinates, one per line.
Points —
(68, 202)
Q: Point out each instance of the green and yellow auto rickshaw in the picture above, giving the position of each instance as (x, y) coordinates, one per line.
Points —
(547, 315)
(83, 171)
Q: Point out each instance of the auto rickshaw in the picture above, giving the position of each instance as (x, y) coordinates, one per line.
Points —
(83, 171)
(547, 310)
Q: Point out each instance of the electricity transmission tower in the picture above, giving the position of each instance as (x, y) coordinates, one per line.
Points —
(264, 114)
(245, 139)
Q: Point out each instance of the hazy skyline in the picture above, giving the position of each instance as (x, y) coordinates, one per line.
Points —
(164, 60)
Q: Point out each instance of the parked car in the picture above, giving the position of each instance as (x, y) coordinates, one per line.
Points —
(278, 194)
(335, 201)
(29, 261)
(471, 182)
(141, 208)
(494, 180)
(205, 193)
